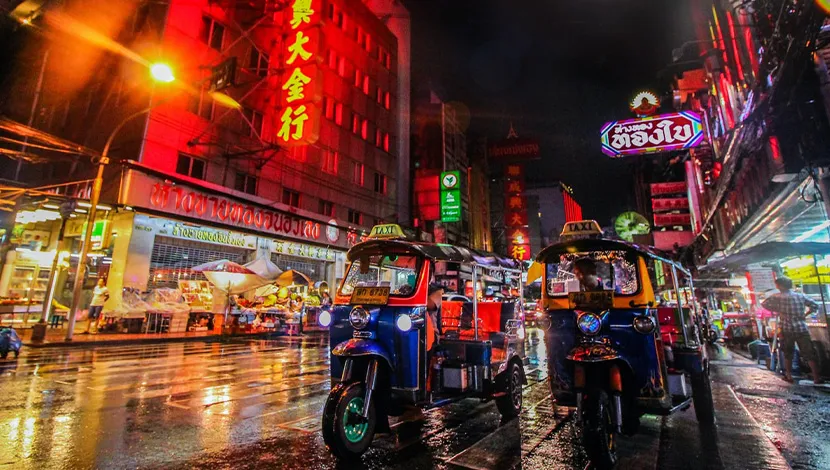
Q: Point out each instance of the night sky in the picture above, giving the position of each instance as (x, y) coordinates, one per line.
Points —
(558, 69)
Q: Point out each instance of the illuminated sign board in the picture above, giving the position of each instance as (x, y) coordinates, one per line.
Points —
(451, 196)
(515, 149)
(661, 133)
(515, 213)
(299, 115)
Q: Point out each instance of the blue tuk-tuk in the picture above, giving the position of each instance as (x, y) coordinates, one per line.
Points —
(614, 352)
(389, 351)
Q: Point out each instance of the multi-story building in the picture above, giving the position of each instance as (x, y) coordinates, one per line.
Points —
(440, 144)
(315, 154)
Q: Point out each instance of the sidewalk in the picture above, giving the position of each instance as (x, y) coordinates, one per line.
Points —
(56, 337)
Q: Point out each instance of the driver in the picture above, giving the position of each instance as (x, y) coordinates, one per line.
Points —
(433, 317)
(585, 271)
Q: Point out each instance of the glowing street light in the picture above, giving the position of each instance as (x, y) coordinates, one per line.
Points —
(162, 73)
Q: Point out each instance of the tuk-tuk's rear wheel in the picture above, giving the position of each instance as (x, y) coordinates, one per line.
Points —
(510, 404)
(346, 432)
(702, 397)
(598, 437)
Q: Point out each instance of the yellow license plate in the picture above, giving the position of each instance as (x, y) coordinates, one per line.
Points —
(599, 299)
(370, 295)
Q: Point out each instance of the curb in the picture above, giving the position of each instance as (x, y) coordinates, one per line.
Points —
(158, 340)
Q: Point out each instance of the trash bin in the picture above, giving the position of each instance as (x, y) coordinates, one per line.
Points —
(39, 332)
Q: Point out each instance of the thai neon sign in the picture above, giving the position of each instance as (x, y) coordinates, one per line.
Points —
(299, 117)
(661, 133)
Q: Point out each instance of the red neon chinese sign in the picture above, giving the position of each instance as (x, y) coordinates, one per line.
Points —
(299, 117)
(515, 213)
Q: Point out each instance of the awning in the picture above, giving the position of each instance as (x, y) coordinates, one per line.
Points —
(765, 252)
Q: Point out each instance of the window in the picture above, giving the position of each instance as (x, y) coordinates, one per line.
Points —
(245, 183)
(290, 198)
(332, 60)
(328, 107)
(366, 84)
(368, 43)
(378, 137)
(330, 159)
(201, 105)
(357, 173)
(355, 217)
(387, 61)
(253, 124)
(258, 62)
(360, 37)
(331, 11)
(355, 123)
(338, 114)
(379, 96)
(212, 33)
(615, 271)
(386, 141)
(189, 165)
(398, 273)
(340, 20)
(341, 66)
(380, 183)
(326, 208)
(364, 129)
(387, 100)
(358, 78)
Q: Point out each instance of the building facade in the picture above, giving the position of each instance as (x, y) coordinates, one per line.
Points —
(309, 160)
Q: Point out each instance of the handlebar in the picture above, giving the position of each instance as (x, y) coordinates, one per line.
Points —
(648, 304)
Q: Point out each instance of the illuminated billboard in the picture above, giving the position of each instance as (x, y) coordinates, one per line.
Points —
(661, 133)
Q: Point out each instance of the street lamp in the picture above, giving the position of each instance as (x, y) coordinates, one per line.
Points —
(159, 72)
(162, 73)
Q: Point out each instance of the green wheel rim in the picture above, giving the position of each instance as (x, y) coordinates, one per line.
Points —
(354, 426)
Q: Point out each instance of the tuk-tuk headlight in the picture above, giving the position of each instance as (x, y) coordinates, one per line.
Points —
(589, 323)
(403, 322)
(324, 319)
(644, 324)
(359, 318)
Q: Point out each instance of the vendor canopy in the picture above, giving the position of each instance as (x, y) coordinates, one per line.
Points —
(770, 251)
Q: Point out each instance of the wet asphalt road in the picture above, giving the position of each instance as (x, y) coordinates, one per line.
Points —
(257, 404)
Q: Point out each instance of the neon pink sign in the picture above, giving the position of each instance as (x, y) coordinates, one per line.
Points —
(661, 133)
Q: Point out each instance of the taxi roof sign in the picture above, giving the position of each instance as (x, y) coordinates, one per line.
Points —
(386, 231)
(581, 228)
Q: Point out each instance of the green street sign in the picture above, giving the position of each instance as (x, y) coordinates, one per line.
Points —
(450, 180)
(451, 206)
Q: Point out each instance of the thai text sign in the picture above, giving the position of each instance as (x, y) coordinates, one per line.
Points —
(299, 116)
(661, 133)
(664, 189)
(515, 149)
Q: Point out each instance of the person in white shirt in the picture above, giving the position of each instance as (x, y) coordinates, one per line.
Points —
(100, 294)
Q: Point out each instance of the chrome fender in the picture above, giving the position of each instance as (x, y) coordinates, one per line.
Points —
(357, 347)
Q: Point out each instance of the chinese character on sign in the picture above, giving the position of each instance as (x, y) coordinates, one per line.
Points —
(515, 202)
(297, 50)
(301, 13)
(514, 170)
(518, 252)
(514, 187)
(292, 118)
(295, 85)
(516, 219)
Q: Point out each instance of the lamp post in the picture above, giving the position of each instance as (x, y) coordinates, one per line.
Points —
(161, 73)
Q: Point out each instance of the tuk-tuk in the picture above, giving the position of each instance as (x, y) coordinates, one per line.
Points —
(613, 352)
(390, 352)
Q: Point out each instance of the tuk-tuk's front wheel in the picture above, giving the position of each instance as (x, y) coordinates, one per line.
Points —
(598, 436)
(346, 432)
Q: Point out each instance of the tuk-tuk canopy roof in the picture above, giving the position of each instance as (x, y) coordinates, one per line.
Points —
(432, 251)
(551, 253)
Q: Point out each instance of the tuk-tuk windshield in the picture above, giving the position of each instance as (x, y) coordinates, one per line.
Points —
(399, 273)
(592, 271)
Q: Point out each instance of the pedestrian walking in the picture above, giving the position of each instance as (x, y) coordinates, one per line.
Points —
(100, 295)
(792, 308)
